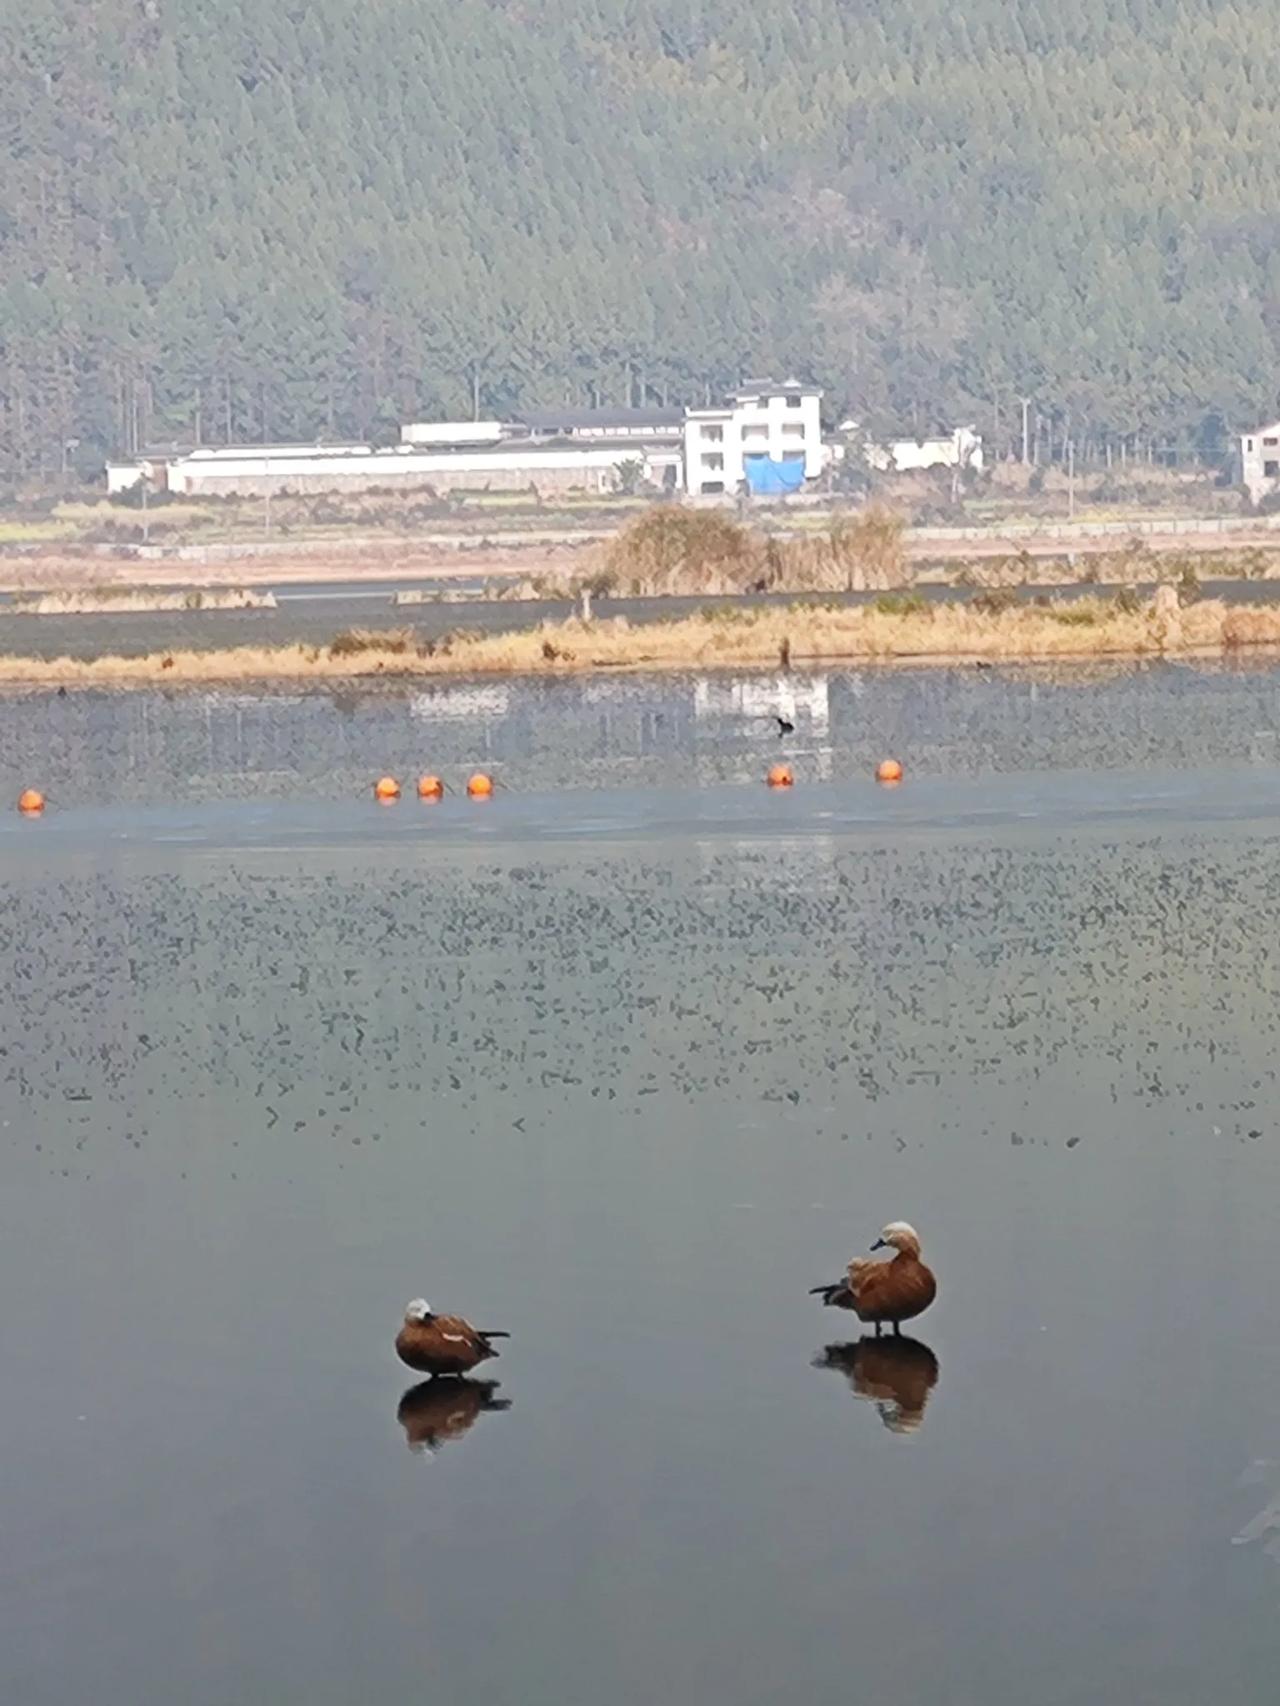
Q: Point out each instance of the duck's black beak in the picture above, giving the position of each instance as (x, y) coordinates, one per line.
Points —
(879, 1244)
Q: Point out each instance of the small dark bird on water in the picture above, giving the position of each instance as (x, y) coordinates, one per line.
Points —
(885, 1292)
(784, 727)
(442, 1344)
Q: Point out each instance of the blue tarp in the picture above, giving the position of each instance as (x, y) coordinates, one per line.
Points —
(767, 478)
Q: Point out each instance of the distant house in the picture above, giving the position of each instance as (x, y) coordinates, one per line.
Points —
(1260, 461)
(960, 448)
(767, 438)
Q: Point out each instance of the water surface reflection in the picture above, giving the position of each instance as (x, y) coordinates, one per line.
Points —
(437, 1411)
(623, 1095)
(895, 1373)
(634, 730)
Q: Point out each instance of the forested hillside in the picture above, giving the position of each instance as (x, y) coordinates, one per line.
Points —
(275, 218)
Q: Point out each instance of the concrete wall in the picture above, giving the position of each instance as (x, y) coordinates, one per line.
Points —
(451, 432)
(962, 448)
(123, 477)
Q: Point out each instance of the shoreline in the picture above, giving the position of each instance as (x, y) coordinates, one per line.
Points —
(499, 554)
(894, 632)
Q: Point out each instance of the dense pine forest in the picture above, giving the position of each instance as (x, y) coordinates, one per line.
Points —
(265, 218)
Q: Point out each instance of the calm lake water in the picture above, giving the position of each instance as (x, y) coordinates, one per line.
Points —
(624, 1062)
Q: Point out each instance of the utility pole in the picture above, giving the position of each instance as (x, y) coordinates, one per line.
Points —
(266, 489)
(1071, 480)
(1026, 442)
(146, 519)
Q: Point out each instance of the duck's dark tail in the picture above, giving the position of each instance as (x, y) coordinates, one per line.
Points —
(827, 1292)
(485, 1333)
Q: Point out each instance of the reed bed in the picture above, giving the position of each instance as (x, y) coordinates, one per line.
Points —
(894, 629)
(126, 600)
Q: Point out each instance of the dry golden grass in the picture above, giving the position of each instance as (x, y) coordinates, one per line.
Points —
(1251, 625)
(899, 631)
(672, 550)
(127, 601)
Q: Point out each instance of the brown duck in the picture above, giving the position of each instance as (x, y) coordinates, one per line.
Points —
(442, 1344)
(885, 1292)
(896, 1374)
(437, 1411)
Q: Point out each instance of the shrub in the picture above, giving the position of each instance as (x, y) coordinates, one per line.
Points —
(1075, 615)
(672, 550)
(352, 641)
(1127, 601)
(902, 604)
(870, 548)
(995, 600)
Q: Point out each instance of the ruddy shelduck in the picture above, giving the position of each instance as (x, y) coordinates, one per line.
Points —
(885, 1292)
(442, 1344)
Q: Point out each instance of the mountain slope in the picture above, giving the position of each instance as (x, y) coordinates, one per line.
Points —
(291, 219)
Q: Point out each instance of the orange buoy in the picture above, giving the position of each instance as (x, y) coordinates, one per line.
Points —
(780, 776)
(889, 770)
(386, 788)
(480, 786)
(31, 802)
(430, 788)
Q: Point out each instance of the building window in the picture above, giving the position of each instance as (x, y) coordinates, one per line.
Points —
(794, 402)
(755, 435)
(1271, 470)
(713, 435)
(709, 461)
(793, 430)
(1249, 442)
(1270, 443)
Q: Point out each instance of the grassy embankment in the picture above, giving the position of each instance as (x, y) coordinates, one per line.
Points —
(896, 628)
(669, 551)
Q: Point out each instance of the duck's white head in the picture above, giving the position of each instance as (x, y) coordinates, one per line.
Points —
(418, 1310)
(898, 1235)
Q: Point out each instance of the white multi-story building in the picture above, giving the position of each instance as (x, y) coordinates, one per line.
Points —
(1260, 461)
(767, 438)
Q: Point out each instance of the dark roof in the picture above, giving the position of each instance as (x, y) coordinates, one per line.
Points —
(573, 420)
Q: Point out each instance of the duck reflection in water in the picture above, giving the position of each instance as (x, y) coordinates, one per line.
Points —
(897, 1374)
(437, 1411)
